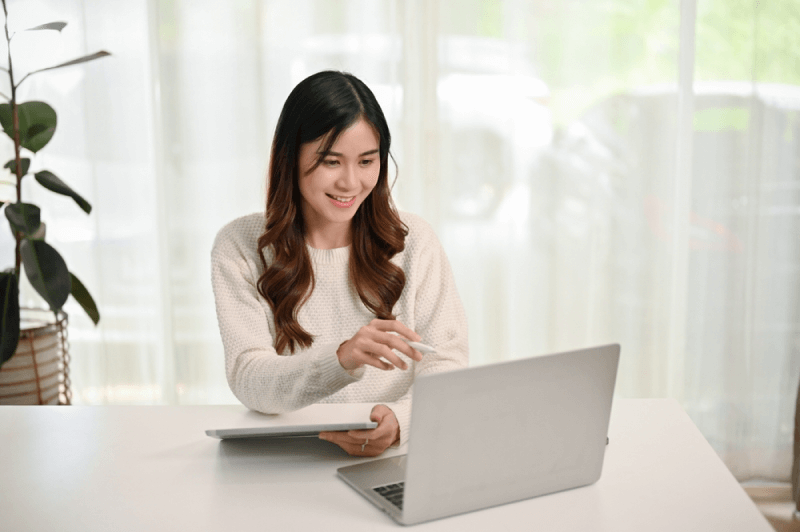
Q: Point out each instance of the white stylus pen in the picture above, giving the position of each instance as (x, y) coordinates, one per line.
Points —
(422, 348)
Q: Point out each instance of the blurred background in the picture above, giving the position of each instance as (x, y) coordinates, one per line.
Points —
(597, 171)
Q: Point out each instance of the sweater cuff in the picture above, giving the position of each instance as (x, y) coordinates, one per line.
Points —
(402, 411)
(332, 374)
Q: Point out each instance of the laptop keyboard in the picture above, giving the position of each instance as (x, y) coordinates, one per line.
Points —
(392, 493)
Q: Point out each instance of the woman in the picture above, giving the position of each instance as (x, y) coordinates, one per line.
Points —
(312, 301)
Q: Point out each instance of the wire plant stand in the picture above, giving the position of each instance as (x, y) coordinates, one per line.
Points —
(38, 373)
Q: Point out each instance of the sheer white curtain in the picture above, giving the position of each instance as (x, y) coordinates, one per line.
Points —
(597, 172)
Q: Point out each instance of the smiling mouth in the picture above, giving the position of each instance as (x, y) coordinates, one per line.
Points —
(341, 199)
(343, 202)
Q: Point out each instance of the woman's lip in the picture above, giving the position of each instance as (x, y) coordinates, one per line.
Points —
(343, 204)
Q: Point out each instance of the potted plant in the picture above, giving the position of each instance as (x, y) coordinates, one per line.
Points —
(30, 126)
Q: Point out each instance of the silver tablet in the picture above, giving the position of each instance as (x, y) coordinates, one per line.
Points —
(240, 422)
(291, 431)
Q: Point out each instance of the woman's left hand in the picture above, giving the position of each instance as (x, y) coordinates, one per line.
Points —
(368, 442)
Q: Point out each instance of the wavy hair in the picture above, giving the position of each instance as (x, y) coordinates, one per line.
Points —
(324, 105)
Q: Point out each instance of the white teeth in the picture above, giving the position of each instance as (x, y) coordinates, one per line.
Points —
(341, 199)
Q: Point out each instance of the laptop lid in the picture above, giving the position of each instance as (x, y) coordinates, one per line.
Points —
(505, 432)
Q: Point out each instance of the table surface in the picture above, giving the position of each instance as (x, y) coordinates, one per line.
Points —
(153, 468)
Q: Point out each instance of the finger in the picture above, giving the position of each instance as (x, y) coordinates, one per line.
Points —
(379, 412)
(414, 354)
(342, 438)
(377, 349)
(377, 362)
(355, 450)
(351, 448)
(379, 434)
(371, 434)
(395, 342)
(386, 419)
(361, 447)
(387, 422)
(393, 359)
(373, 341)
(396, 326)
(329, 436)
(364, 355)
(357, 437)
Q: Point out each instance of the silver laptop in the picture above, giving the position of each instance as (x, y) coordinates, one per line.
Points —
(495, 434)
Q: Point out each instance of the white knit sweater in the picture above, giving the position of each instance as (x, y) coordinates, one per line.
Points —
(269, 382)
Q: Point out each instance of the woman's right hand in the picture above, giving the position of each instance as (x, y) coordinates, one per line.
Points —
(375, 341)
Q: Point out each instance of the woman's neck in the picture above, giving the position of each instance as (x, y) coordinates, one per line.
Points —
(329, 236)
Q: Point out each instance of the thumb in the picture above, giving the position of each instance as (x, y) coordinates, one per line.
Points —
(377, 414)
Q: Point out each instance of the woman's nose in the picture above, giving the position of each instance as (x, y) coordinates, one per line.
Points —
(349, 178)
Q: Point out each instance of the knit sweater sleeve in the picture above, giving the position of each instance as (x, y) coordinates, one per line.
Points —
(259, 377)
(432, 308)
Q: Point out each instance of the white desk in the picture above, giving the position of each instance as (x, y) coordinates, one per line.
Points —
(153, 468)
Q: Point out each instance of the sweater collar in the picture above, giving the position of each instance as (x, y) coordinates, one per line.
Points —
(329, 256)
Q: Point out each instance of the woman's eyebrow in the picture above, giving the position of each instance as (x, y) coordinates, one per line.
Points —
(337, 154)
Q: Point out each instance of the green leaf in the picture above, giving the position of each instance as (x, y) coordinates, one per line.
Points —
(35, 130)
(57, 26)
(24, 217)
(83, 298)
(37, 138)
(9, 315)
(46, 271)
(49, 181)
(5, 119)
(84, 59)
(37, 123)
(12, 165)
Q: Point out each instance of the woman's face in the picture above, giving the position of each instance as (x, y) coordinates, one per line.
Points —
(333, 191)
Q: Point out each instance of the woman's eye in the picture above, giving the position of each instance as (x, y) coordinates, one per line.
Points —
(330, 162)
(367, 162)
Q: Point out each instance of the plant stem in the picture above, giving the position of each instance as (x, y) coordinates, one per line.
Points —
(15, 121)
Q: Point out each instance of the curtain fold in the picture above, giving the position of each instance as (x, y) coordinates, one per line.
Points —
(597, 171)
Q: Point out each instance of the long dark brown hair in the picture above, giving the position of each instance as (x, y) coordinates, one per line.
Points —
(325, 104)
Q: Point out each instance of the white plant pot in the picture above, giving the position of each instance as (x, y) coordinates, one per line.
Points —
(38, 373)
